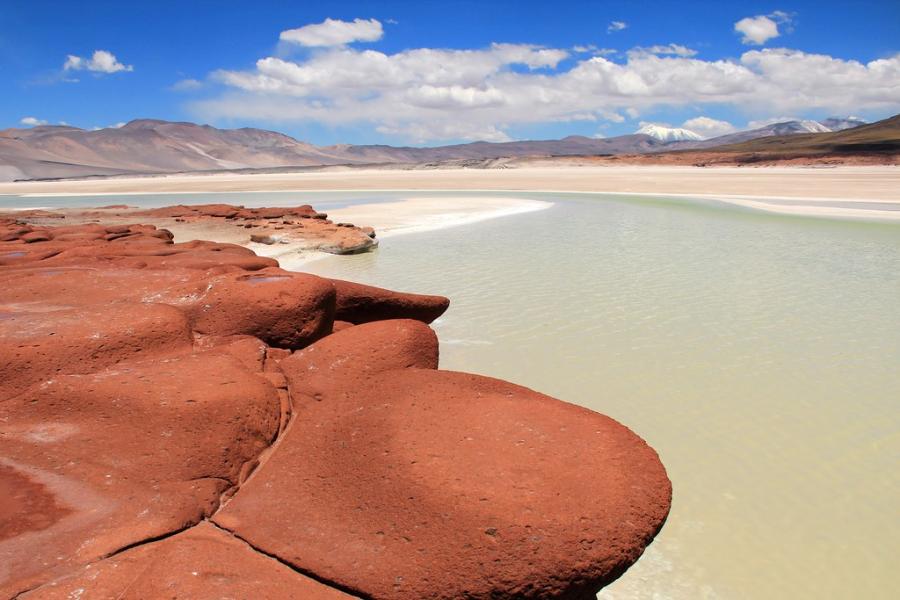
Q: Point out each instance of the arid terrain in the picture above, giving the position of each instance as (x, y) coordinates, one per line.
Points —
(147, 146)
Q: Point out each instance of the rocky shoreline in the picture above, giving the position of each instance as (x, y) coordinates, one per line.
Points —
(190, 420)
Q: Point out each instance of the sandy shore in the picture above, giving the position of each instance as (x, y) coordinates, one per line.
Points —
(860, 192)
(412, 215)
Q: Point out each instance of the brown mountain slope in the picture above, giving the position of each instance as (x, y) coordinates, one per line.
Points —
(882, 137)
(154, 146)
(147, 146)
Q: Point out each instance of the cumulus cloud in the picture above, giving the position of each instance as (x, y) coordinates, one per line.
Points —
(761, 28)
(32, 121)
(333, 32)
(428, 94)
(707, 127)
(616, 26)
(102, 61)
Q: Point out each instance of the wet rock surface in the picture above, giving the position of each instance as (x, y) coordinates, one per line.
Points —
(189, 420)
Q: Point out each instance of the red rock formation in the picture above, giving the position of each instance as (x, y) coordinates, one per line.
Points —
(346, 359)
(133, 452)
(149, 389)
(275, 225)
(358, 303)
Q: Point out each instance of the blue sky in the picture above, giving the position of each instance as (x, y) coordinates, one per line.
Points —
(439, 72)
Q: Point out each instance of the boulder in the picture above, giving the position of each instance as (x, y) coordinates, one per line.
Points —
(345, 359)
(358, 303)
(35, 236)
(433, 484)
(283, 309)
(40, 341)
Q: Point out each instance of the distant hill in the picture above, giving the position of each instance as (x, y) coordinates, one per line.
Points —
(147, 146)
(774, 129)
(154, 146)
(883, 136)
(875, 143)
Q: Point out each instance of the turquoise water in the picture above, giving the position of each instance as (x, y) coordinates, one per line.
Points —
(759, 354)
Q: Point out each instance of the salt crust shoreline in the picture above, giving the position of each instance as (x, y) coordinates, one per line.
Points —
(840, 192)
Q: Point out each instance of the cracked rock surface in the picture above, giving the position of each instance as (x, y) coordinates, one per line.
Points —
(191, 421)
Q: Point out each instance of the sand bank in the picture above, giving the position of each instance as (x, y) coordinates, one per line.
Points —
(412, 215)
(867, 192)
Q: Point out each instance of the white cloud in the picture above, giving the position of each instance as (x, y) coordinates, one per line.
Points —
(616, 26)
(668, 49)
(593, 50)
(761, 28)
(102, 61)
(186, 85)
(32, 121)
(756, 124)
(707, 127)
(428, 94)
(333, 32)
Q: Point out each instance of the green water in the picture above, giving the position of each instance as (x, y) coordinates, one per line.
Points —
(759, 354)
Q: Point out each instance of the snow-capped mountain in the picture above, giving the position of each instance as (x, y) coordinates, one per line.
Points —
(805, 126)
(839, 123)
(774, 129)
(669, 134)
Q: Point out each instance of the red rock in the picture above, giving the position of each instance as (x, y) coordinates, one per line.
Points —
(358, 303)
(202, 563)
(263, 238)
(194, 210)
(78, 237)
(344, 360)
(432, 484)
(341, 325)
(249, 350)
(289, 310)
(346, 241)
(113, 458)
(13, 254)
(35, 236)
(40, 341)
(274, 356)
(279, 307)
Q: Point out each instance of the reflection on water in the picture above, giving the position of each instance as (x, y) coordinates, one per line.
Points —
(759, 354)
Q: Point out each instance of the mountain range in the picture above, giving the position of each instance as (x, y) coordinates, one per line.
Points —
(147, 146)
